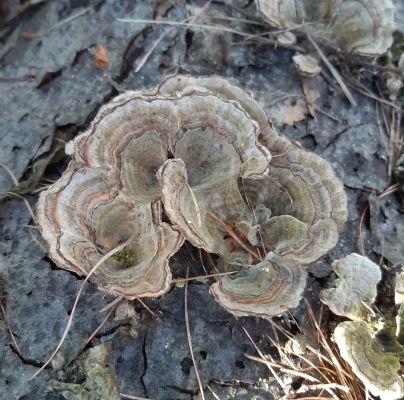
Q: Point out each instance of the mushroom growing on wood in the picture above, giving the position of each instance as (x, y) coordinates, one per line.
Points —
(263, 290)
(298, 205)
(399, 300)
(356, 287)
(356, 26)
(201, 155)
(375, 361)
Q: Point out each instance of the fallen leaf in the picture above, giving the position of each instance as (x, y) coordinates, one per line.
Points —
(101, 57)
(288, 113)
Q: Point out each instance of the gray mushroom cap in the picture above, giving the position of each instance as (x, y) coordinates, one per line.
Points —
(374, 364)
(356, 26)
(356, 287)
(202, 153)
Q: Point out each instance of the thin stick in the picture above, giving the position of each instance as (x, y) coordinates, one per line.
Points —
(273, 372)
(363, 90)
(74, 16)
(157, 42)
(198, 212)
(150, 51)
(147, 308)
(198, 14)
(194, 278)
(130, 397)
(10, 331)
(219, 28)
(103, 322)
(38, 243)
(319, 385)
(27, 205)
(198, 378)
(70, 320)
(213, 393)
(334, 72)
(332, 117)
(327, 347)
(201, 260)
(379, 124)
(391, 189)
(235, 237)
(111, 305)
(360, 229)
(312, 398)
(10, 173)
(179, 23)
(255, 218)
(16, 183)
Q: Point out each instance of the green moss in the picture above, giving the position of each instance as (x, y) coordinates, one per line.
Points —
(125, 258)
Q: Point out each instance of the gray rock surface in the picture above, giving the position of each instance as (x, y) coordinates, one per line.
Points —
(65, 85)
(387, 227)
(39, 299)
(399, 15)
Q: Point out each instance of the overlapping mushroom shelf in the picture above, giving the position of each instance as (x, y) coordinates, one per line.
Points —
(356, 26)
(202, 155)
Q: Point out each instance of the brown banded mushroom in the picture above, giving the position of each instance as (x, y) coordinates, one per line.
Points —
(110, 191)
(356, 287)
(84, 215)
(399, 300)
(374, 360)
(204, 152)
(300, 192)
(263, 290)
(356, 26)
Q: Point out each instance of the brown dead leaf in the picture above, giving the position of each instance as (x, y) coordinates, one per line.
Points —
(30, 35)
(289, 113)
(101, 57)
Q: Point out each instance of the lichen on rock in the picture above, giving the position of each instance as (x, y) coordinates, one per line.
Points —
(99, 378)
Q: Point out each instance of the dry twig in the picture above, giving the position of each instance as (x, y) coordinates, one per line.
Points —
(230, 231)
(70, 320)
(334, 72)
(198, 378)
(17, 349)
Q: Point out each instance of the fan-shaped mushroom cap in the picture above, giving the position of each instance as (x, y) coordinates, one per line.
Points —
(226, 90)
(305, 199)
(375, 366)
(202, 148)
(210, 156)
(107, 194)
(300, 189)
(356, 287)
(263, 290)
(83, 216)
(399, 299)
(399, 289)
(357, 26)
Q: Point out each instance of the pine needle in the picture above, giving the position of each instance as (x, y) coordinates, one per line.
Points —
(198, 378)
(70, 320)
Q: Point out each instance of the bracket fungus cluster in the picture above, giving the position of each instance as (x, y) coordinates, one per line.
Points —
(195, 159)
(356, 26)
(356, 287)
(374, 359)
(371, 345)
